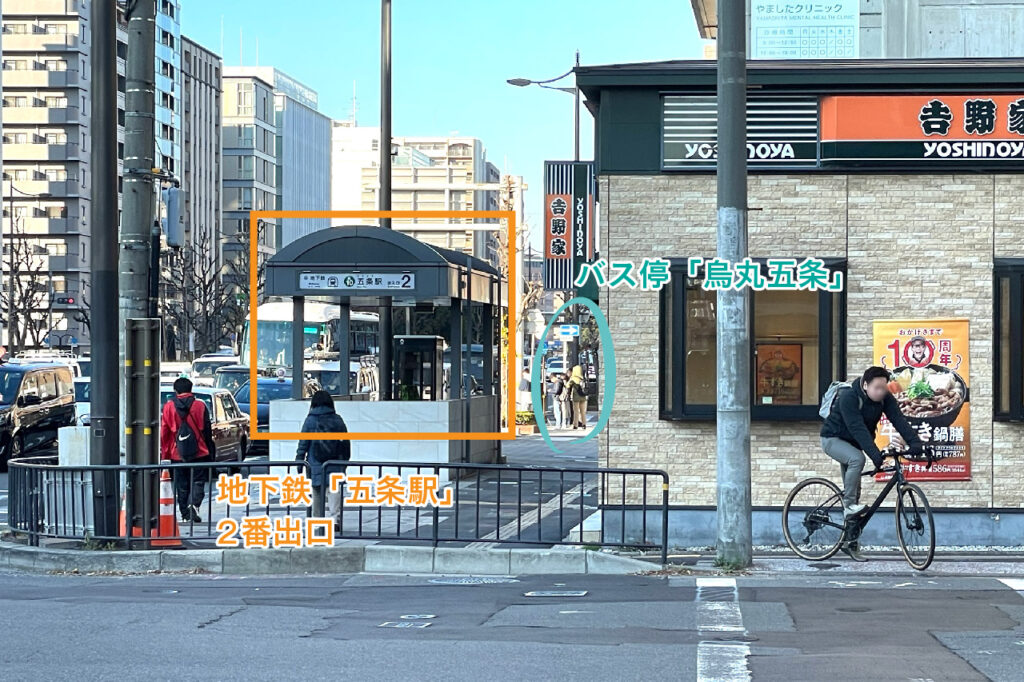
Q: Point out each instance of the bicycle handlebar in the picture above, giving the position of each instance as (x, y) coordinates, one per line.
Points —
(911, 453)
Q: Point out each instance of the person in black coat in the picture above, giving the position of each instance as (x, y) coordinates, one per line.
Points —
(323, 418)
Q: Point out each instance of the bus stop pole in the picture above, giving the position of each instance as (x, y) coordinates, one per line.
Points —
(298, 345)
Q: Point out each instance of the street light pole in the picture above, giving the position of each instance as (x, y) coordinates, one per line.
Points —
(384, 200)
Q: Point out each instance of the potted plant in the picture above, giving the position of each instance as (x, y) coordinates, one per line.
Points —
(525, 422)
(408, 392)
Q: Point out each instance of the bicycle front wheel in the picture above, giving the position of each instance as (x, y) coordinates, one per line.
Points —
(812, 519)
(915, 527)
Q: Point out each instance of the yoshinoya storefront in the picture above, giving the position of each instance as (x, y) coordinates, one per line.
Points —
(906, 180)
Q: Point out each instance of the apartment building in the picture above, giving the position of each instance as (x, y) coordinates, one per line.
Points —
(46, 147)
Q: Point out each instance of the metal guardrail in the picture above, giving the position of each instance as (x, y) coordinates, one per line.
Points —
(489, 503)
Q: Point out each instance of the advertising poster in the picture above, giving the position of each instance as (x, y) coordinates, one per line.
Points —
(779, 375)
(930, 369)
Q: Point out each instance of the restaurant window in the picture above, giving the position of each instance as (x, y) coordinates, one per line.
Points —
(797, 348)
(1008, 370)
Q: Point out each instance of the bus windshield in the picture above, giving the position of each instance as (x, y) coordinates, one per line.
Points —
(274, 341)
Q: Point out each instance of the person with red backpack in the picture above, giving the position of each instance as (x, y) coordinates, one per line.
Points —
(186, 435)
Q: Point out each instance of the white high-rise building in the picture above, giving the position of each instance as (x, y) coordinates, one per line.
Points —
(428, 173)
(302, 150)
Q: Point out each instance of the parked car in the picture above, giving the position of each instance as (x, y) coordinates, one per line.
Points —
(169, 371)
(267, 389)
(204, 368)
(555, 365)
(83, 400)
(230, 424)
(36, 399)
(230, 377)
(36, 357)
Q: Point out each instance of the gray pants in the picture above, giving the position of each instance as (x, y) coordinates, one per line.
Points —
(851, 465)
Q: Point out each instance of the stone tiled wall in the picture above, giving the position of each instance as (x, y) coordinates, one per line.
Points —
(918, 246)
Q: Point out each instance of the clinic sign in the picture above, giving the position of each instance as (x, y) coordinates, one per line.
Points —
(929, 365)
(929, 129)
(569, 215)
(805, 30)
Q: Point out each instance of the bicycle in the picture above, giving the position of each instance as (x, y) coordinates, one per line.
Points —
(813, 514)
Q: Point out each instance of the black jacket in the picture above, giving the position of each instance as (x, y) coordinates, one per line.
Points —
(855, 416)
(323, 420)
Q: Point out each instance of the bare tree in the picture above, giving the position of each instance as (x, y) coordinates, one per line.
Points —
(25, 292)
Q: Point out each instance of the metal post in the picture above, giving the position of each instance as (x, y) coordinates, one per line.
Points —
(387, 334)
(10, 291)
(574, 315)
(733, 325)
(298, 345)
(139, 161)
(344, 344)
(106, 379)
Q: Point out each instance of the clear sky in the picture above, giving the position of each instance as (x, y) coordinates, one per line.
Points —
(451, 59)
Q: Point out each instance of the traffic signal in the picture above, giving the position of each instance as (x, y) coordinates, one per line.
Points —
(65, 300)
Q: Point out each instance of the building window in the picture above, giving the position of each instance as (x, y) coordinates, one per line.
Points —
(166, 70)
(1008, 369)
(56, 65)
(798, 347)
(15, 28)
(166, 132)
(54, 29)
(246, 198)
(167, 7)
(15, 65)
(56, 138)
(245, 99)
(166, 39)
(56, 102)
(122, 50)
(167, 101)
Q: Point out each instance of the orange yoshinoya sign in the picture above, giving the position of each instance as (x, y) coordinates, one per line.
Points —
(927, 128)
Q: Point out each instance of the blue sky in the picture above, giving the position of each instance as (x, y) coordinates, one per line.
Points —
(451, 59)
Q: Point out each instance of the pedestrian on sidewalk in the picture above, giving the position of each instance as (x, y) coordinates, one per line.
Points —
(555, 388)
(323, 418)
(186, 435)
(578, 395)
(565, 399)
(524, 391)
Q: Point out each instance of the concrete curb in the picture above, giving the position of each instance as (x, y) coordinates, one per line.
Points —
(343, 559)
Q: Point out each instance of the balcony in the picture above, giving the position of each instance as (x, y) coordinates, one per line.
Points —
(41, 115)
(56, 188)
(39, 78)
(15, 8)
(41, 152)
(46, 225)
(39, 42)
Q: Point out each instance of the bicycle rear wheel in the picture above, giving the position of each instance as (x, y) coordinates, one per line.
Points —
(812, 519)
(915, 527)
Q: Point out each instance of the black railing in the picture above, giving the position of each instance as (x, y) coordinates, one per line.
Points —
(476, 503)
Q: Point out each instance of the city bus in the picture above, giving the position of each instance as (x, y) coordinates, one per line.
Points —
(320, 328)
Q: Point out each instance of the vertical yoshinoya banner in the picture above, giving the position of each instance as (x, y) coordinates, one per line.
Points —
(568, 221)
(930, 367)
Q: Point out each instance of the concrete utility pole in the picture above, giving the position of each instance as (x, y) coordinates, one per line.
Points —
(139, 152)
(106, 377)
(384, 200)
(734, 514)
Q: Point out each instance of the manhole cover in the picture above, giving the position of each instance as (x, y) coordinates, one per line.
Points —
(556, 593)
(472, 581)
(417, 617)
(419, 626)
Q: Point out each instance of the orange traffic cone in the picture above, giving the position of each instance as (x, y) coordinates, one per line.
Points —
(166, 533)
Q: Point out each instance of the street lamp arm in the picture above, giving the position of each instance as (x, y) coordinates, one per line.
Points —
(526, 81)
(571, 91)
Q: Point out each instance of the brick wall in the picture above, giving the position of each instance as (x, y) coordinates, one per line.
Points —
(918, 246)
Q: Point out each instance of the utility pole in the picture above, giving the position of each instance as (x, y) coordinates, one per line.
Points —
(104, 447)
(384, 200)
(574, 312)
(139, 161)
(733, 327)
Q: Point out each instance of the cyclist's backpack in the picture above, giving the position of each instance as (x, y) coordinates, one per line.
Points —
(580, 390)
(185, 440)
(829, 399)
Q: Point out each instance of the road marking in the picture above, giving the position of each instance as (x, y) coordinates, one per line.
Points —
(511, 529)
(1013, 583)
(720, 660)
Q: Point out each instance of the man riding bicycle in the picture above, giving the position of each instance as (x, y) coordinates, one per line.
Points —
(848, 434)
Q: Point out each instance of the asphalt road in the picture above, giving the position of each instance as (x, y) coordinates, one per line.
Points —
(623, 628)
